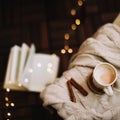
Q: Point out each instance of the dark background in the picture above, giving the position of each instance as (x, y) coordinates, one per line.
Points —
(44, 23)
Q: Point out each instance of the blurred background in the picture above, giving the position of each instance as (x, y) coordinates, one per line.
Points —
(57, 26)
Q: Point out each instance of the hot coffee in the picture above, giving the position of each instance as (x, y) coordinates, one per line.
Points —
(107, 77)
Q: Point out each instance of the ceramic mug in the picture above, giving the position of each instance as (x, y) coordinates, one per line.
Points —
(104, 76)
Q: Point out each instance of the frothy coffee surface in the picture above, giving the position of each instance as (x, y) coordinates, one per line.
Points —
(107, 77)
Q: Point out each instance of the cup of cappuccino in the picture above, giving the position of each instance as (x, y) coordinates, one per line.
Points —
(104, 76)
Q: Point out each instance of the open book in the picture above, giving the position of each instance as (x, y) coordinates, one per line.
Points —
(17, 60)
(27, 70)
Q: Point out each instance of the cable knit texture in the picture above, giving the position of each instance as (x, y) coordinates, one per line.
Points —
(103, 46)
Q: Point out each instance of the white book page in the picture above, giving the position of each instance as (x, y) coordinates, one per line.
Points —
(45, 69)
(14, 63)
(24, 79)
(23, 57)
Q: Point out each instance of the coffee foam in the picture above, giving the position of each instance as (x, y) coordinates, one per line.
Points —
(107, 78)
(105, 75)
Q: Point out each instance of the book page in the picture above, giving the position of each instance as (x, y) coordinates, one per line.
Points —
(23, 58)
(14, 63)
(24, 79)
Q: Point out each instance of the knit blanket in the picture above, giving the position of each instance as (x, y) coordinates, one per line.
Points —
(103, 46)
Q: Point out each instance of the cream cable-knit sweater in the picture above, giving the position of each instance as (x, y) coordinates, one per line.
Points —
(103, 46)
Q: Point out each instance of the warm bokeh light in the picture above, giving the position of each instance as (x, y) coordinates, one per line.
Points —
(30, 70)
(7, 104)
(73, 27)
(80, 2)
(39, 64)
(77, 21)
(6, 98)
(73, 12)
(7, 90)
(8, 114)
(54, 54)
(66, 47)
(12, 104)
(26, 80)
(50, 65)
(63, 51)
(66, 36)
(19, 84)
(70, 50)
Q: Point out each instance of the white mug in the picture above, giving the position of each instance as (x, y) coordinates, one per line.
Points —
(104, 76)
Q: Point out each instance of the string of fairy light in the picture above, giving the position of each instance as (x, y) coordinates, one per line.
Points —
(73, 26)
(8, 104)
